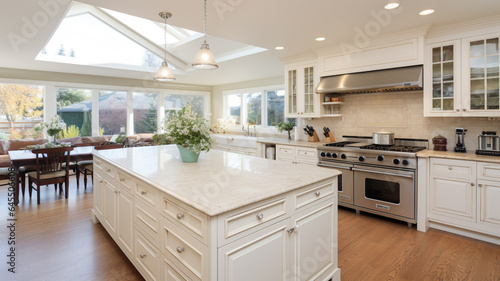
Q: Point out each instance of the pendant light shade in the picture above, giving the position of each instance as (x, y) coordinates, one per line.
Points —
(205, 59)
(165, 73)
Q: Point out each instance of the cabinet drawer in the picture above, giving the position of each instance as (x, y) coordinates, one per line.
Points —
(192, 220)
(236, 223)
(147, 193)
(313, 194)
(125, 180)
(307, 153)
(147, 257)
(286, 159)
(186, 253)
(456, 169)
(171, 273)
(285, 151)
(488, 171)
(147, 219)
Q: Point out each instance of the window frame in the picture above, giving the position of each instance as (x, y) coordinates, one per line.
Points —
(244, 111)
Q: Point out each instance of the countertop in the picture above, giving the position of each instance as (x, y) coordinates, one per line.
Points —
(291, 142)
(220, 181)
(471, 155)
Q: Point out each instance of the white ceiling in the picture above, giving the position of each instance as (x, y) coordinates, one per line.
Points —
(293, 24)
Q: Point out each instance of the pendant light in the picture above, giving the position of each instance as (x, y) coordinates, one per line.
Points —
(204, 59)
(164, 73)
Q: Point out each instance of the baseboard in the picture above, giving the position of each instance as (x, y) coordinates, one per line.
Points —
(467, 233)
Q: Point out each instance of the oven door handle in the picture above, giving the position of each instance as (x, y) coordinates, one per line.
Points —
(384, 173)
(321, 164)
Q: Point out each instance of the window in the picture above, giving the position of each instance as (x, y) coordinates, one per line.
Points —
(261, 107)
(74, 106)
(175, 102)
(21, 109)
(145, 107)
(112, 112)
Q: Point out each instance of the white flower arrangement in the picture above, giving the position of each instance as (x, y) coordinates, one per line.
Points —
(187, 129)
(53, 127)
(220, 126)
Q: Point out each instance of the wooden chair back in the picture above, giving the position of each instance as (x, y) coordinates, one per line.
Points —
(108, 146)
(50, 160)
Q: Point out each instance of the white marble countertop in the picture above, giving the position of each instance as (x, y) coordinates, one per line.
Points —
(220, 181)
(291, 142)
(471, 155)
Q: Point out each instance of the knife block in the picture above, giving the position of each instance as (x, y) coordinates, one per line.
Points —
(330, 137)
(314, 137)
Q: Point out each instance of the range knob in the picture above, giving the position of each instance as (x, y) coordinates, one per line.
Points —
(322, 154)
(380, 158)
(396, 161)
(343, 156)
(406, 162)
(329, 155)
(335, 155)
(361, 158)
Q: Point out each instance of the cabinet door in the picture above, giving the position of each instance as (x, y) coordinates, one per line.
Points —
(110, 206)
(263, 256)
(481, 76)
(314, 241)
(452, 190)
(125, 214)
(442, 96)
(489, 203)
(98, 193)
(309, 84)
(291, 92)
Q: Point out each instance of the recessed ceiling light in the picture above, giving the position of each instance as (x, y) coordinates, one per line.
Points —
(320, 39)
(279, 48)
(426, 12)
(391, 4)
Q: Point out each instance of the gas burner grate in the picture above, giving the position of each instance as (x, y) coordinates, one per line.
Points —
(340, 143)
(398, 148)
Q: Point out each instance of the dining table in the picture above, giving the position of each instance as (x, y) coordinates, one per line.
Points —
(19, 158)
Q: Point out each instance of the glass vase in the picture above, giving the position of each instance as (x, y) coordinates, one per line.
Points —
(187, 155)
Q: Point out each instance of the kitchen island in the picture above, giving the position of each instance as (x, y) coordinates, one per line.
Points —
(227, 217)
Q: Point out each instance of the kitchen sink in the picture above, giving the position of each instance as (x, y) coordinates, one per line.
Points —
(236, 140)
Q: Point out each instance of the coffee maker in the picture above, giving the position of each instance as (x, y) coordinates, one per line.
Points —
(460, 132)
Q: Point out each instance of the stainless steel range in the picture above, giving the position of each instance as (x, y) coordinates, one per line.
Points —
(378, 179)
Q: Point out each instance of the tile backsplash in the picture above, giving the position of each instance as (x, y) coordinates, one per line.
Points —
(402, 114)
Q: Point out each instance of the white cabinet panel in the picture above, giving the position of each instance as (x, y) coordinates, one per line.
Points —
(110, 206)
(489, 206)
(98, 193)
(453, 197)
(125, 214)
(243, 260)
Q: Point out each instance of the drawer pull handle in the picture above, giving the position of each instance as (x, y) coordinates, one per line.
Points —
(108, 170)
(180, 216)
(291, 230)
(260, 216)
(472, 184)
(100, 181)
(450, 168)
(480, 185)
(122, 179)
(317, 193)
(180, 250)
(143, 256)
(143, 192)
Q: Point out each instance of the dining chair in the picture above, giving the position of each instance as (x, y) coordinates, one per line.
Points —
(86, 167)
(52, 167)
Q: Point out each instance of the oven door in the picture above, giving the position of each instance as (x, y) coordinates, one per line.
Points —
(385, 190)
(345, 181)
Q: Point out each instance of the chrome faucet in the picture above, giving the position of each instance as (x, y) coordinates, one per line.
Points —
(247, 132)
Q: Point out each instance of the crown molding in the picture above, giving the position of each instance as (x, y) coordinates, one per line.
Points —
(464, 29)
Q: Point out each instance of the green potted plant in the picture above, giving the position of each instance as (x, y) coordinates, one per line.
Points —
(189, 132)
(286, 126)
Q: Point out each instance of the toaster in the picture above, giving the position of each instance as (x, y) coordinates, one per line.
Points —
(488, 140)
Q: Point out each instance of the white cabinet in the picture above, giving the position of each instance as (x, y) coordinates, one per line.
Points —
(462, 77)
(98, 193)
(301, 99)
(465, 194)
(110, 206)
(296, 154)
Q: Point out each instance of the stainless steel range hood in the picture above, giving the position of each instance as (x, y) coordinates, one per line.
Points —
(386, 80)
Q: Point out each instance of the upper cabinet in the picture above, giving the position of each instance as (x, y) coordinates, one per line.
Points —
(462, 77)
(301, 99)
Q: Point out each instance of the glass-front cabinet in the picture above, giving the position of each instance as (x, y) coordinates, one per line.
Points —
(462, 77)
(481, 71)
(301, 98)
(442, 79)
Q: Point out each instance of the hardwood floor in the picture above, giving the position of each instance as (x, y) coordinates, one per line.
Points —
(57, 241)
